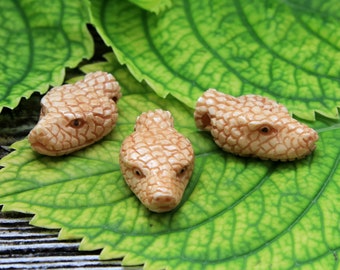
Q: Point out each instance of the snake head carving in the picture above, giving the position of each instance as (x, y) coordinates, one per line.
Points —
(254, 126)
(157, 161)
(74, 116)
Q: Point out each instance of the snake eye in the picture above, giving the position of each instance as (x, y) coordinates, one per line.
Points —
(266, 130)
(264, 127)
(77, 123)
(138, 173)
(182, 171)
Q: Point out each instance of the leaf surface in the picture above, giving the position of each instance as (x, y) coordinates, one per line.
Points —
(286, 50)
(152, 5)
(38, 39)
(237, 213)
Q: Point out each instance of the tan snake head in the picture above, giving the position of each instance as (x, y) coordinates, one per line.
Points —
(157, 161)
(253, 125)
(74, 116)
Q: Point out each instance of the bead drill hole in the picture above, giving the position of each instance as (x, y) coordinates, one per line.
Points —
(206, 120)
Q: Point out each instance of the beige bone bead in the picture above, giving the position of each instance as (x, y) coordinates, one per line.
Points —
(157, 161)
(254, 126)
(74, 116)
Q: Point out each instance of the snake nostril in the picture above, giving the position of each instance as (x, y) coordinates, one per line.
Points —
(308, 138)
(164, 199)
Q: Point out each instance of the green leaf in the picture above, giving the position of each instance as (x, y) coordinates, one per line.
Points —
(286, 50)
(152, 5)
(237, 213)
(38, 39)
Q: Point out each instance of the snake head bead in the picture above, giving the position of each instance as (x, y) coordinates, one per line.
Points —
(157, 161)
(74, 116)
(254, 126)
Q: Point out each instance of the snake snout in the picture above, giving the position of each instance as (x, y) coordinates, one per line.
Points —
(163, 202)
(164, 197)
(310, 138)
(38, 138)
(37, 132)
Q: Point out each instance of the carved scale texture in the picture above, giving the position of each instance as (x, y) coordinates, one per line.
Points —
(157, 161)
(255, 126)
(74, 116)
